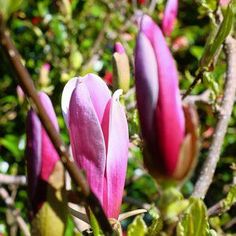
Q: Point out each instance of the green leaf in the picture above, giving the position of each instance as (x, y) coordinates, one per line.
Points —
(175, 208)
(209, 82)
(94, 224)
(137, 227)
(194, 221)
(214, 46)
(10, 142)
(9, 6)
(169, 196)
(69, 227)
(155, 228)
(230, 199)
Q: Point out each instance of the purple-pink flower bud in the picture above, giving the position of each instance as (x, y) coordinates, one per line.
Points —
(119, 48)
(169, 17)
(121, 69)
(40, 153)
(99, 137)
(159, 104)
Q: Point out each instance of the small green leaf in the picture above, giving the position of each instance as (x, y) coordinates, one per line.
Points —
(175, 208)
(169, 196)
(137, 227)
(214, 46)
(230, 199)
(194, 221)
(94, 224)
(155, 228)
(209, 82)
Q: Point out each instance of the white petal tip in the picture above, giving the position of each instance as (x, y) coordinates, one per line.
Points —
(117, 94)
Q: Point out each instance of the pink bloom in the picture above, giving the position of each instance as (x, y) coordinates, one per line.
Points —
(40, 153)
(119, 48)
(224, 3)
(20, 94)
(158, 100)
(99, 137)
(169, 18)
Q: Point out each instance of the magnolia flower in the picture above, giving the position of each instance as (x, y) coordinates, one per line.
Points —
(99, 137)
(169, 18)
(43, 166)
(169, 136)
(121, 69)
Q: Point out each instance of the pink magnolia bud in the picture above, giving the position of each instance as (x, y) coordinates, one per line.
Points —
(40, 153)
(121, 69)
(45, 175)
(20, 94)
(169, 18)
(161, 113)
(99, 137)
(44, 74)
(119, 48)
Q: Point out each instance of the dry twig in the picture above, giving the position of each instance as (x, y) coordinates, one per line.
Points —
(10, 204)
(10, 179)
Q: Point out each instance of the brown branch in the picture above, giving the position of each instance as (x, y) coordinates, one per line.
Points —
(152, 6)
(194, 83)
(10, 204)
(215, 209)
(27, 85)
(209, 165)
(203, 98)
(10, 179)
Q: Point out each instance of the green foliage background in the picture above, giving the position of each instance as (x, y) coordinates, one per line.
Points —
(78, 38)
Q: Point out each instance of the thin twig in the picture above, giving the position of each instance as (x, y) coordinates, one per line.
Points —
(215, 209)
(10, 179)
(28, 87)
(209, 165)
(194, 83)
(203, 97)
(10, 204)
(152, 6)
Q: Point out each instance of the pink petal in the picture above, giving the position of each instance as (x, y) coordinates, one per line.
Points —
(99, 93)
(169, 16)
(33, 152)
(49, 153)
(119, 48)
(86, 137)
(66, 95)
(170, 123)
(224, 3)
(146, 76)
(115, 130)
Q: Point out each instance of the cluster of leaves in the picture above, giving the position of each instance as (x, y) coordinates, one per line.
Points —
(76, 37)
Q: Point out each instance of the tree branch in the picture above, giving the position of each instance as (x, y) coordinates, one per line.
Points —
(28, 87)
(10, 179)
(210, 163)
(10, 204)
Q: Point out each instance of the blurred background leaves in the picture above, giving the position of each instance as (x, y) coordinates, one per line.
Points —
(75, 37)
